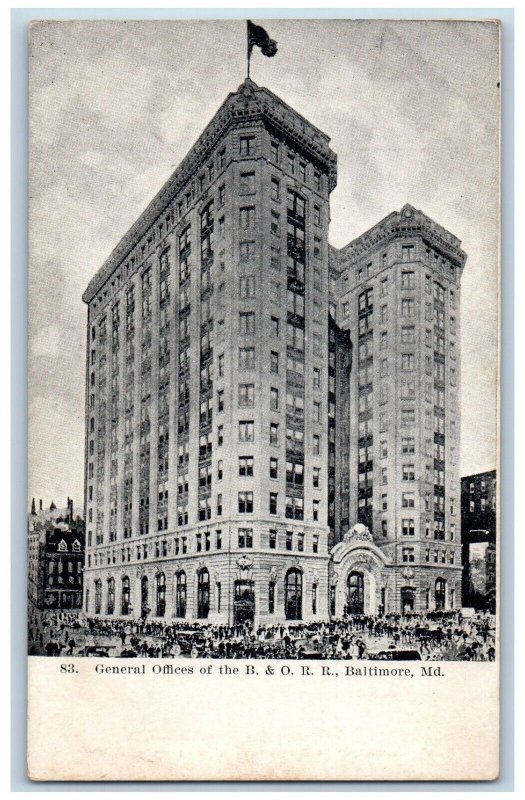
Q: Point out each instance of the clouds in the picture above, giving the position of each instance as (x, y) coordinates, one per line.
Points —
(411, 109)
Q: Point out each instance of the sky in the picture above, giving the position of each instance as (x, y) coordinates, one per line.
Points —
(412, 110)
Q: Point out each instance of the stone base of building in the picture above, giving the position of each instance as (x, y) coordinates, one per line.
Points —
(219, 589)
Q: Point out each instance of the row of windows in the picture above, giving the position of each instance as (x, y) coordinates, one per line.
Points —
(408, 555)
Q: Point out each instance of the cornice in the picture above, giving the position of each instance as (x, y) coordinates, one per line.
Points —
(400, 224)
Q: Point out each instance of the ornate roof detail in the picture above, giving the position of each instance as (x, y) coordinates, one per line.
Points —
(399, 224)
(249, 104)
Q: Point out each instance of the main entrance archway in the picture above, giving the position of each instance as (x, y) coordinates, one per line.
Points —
(243, 602)
(293, 594)
(355, 603)
(408, 600)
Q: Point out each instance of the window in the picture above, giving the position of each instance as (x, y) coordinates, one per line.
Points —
(275, 150)
(408, 280)
(246, 358)
(408, 333)
(245, 502)
(274, 468)
(273, 539)
(274, 433)
(408, 472)
(246, 394)
(408, 415)
(408, 527)
(407, 498)
(245, 537)
(247, 287)
(384, 287)
(274, 399)
(247, 183)
(289, 540)
(220, 470)
(246, 217)
(407, 362)
(316, 474)
(275, 189)
(316, 445)
(247, 145)
(246, 466)
(220, 435)
(315, 510)
(273, 503)
(274, 362)
(246, 431)
(220, 400)
(407, 307)
(247, 322)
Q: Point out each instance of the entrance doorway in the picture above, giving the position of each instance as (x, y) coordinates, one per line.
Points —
(440, 594)
(408, 600)
(203, 594)
(243, 602)
(144, 608)
(355, 584)
(293, 600)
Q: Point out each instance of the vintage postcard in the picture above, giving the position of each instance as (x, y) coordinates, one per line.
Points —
(263, 400)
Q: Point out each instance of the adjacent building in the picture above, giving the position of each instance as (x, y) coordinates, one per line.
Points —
(478, 536)
(55, 557)
(271, 424)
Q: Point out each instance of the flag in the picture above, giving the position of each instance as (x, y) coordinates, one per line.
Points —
(258, 36)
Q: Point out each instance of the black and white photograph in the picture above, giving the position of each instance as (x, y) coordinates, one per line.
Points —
(263, 340)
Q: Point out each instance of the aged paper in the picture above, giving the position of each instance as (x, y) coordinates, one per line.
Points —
(263, 431)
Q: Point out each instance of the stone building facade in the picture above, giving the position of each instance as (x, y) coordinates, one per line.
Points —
(478, 537)
(223, 438)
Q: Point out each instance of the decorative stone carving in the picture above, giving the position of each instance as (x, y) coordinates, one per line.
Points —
(408, 573)
(315, 578)
(273, 574)
(359, 533)
(334, 578)
(244, 562)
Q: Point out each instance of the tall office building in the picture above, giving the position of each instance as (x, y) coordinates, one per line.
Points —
(398, 292)
(239, 414)
(206, 455)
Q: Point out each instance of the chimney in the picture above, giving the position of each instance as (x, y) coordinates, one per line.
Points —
(40, 505)
(33, 507)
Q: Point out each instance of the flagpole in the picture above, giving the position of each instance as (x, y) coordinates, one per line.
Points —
(248, 49)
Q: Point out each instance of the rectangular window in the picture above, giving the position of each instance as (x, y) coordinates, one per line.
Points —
(247, 287)
(273, 503)
(315, 510)
(274, 433)
(246, 431)
(246, 466)
(273, 539)
(408, 527)
(407, 499)
(274, 362)
(274, 468)
(247, 145)
(246, 322)
(408, 280)
(274, 399)
(407, 362)
(275, 189)
(245, 502)
(247, 183)
(246, 358)
(245, 537)
(316, 474)
(407, 307)
(246, 395)
(246, 217)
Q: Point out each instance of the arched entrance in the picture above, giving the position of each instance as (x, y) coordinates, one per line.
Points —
(161, 595)
(440, 594)
(180, 594)
(98, 596)
(203, 593)
(355, 603)
(408, 599)
(243, 602)
(110, 607)
(144, 608)
(293, 594)
(125, 596)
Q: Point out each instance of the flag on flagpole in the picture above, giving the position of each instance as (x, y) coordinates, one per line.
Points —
(258, 36)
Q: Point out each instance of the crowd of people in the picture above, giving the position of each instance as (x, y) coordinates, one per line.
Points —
(436, 636)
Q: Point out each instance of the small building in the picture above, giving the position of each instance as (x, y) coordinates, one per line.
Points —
(56, 545)
(478, 536)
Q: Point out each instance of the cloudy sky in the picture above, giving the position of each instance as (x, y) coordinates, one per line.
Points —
(412, 112)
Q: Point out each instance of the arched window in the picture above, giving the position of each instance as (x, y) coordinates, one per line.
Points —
(125, 596)
(293, 593)
(355, 593)
(110, 606)
(98, 597)
(161, 595)
(203, 593)
(180, 594)
(144, 591)
(440, 593)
